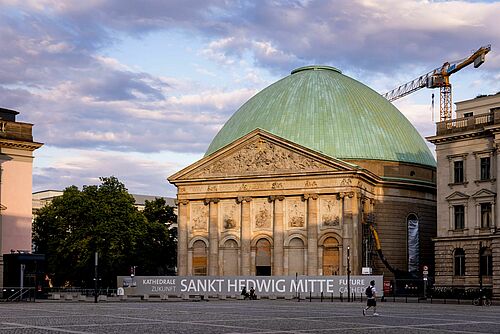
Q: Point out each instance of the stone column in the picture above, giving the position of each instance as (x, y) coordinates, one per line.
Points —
(496, 213)
(245, 235)
(277, 234)
(312, 234)
(356, 240)
(213, 236)
(182, 238)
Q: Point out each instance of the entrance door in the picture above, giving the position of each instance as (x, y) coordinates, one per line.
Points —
(296, 253)
(263, 258)
(330, 257)
(199, 258)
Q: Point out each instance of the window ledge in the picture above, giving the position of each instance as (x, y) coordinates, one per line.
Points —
(485, 181)
(458, 230)
(451, 185)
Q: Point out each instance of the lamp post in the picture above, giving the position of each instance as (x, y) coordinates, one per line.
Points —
(480, 275)
(95, 277)
(348, 274)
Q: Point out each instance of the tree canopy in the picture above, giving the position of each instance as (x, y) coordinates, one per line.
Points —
(104, 219)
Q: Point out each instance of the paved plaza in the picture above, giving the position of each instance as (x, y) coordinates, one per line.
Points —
(235, 316)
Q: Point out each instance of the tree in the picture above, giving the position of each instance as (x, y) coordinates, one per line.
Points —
(99, 218)
(159, 256)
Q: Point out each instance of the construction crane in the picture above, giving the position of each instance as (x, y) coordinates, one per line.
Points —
(440, 77)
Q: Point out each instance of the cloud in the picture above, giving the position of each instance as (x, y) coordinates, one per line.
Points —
(84, 167)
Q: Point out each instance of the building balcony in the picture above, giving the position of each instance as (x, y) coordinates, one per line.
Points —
(464, 124)
(16, 131)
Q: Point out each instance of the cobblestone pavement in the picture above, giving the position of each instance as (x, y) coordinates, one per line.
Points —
(232, 316)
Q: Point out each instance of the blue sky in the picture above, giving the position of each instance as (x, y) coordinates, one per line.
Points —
(139, 89)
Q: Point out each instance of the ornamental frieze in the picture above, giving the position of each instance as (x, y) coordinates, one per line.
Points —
(258, 157)
(330, 183)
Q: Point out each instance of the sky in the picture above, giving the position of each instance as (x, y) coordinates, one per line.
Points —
(138, 89)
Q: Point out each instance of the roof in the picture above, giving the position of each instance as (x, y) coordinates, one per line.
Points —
(320, 108)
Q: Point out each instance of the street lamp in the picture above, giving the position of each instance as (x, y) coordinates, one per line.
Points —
(95, 277)
(348, 274)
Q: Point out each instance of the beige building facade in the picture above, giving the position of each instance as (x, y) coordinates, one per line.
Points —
(467, 245)
(16, 161)
(265, 206)
(292, 181)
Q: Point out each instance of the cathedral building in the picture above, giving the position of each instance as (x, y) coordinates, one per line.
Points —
(292, 181)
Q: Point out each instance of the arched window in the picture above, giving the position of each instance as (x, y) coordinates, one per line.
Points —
(459, 257)
(296, 257)
(485, 262)
(330, 257)
(263, 258)
(230, 256)
(413, 243)
(199, 258)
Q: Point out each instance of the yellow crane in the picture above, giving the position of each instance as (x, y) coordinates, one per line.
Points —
(440, 77)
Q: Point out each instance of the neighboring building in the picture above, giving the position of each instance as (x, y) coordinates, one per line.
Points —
(467, 246)
(16, 161)
(295, 176)
(44, 197)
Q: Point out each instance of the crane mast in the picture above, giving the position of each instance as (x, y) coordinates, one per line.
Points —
(440, 78)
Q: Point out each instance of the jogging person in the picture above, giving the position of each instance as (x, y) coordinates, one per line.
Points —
(371, 294)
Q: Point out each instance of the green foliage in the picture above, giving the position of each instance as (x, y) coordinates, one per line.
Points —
(159, 255)
(104, 219)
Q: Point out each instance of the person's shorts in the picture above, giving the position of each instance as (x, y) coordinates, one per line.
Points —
(371, 302)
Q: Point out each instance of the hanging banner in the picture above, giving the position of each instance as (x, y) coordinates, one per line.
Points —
(232, 285)
(413, 246)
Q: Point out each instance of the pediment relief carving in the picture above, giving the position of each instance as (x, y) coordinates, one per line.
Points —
(261, 156)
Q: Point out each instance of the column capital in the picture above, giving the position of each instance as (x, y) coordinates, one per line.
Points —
(349, 194)
(241, 199)
(305, 197)
(273, 198)
(207, 201)
(181, 201)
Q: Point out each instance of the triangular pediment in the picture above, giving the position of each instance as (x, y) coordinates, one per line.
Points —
(457, 195)
(484, 193)
(259, 154)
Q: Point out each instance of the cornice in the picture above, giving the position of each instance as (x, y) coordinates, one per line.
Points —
(21, 145)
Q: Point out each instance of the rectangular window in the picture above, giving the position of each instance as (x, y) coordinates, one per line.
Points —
(485, 168)
(459, 262)
(458, 168)
(486, 262)
(459, 211)
(468, 114)
(485, 214)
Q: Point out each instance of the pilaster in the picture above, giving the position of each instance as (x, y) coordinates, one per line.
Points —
(213, 236)
(312, 233)
(182, 238)
(245, 235)
(278, 234)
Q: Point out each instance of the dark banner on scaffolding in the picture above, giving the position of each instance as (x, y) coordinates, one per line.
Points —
(233, 285)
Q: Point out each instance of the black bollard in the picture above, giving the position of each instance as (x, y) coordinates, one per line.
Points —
(341, 298)
(310, 297)
(332, 297)
(321, 296)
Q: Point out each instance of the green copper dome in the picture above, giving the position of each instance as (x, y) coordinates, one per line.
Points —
(320, 108)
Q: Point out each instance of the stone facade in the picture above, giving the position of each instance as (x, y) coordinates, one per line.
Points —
(468, 231)
(265, 206)
(16, 160)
